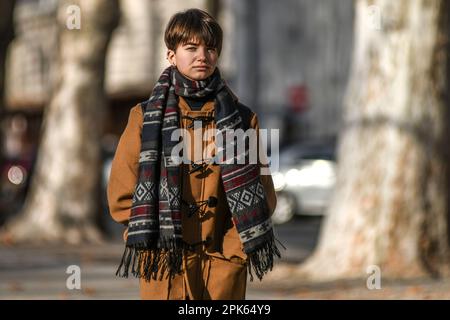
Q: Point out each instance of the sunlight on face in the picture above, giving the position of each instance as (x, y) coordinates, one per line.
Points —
(194, 59)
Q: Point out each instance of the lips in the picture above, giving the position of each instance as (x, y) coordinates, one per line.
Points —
(201, 67)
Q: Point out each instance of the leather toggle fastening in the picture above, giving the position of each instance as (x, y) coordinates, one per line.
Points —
(202, 165)
(203, 119)
(212, 202)
(197, 166)
(194, 208)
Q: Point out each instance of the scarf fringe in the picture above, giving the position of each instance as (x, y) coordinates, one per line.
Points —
(146, 263)
(261, 260)
(167, 260)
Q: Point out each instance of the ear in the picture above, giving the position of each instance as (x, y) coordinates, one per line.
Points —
(171, 57)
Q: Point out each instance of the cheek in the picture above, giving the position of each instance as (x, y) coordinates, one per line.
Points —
(188, 59)
(183, 58)
(213, 58)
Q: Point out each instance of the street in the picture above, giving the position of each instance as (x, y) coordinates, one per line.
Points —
(30, 272)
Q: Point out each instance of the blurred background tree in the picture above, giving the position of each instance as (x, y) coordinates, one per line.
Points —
(391, 204)
(62, 203)
(6, 35)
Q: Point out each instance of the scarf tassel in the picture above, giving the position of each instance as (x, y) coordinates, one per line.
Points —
(148, 263)
(261, 260)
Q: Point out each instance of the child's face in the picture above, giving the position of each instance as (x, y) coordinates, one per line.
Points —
(194, 59)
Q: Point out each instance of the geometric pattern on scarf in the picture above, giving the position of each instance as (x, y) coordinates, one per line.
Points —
(155, 245)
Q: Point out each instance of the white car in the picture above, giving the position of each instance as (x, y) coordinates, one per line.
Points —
(304, 181)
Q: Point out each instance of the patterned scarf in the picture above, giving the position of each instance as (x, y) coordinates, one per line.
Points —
(155, 243)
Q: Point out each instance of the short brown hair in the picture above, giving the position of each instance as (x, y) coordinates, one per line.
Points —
(193, 24)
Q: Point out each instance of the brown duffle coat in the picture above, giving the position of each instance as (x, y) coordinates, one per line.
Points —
(218, 268)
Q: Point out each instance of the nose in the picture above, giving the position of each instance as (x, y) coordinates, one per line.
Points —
(202, 54)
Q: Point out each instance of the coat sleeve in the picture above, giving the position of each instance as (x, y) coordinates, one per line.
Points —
(124, 169)
(266, 179)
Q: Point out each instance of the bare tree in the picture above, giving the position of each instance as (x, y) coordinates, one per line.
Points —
(63, 200)
(391, 202)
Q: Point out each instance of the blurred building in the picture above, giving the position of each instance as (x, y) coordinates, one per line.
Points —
(289, 60)
(296, 56)
(136, 55)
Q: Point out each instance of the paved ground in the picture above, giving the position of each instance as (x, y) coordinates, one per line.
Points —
(36, 273)
(30, 272)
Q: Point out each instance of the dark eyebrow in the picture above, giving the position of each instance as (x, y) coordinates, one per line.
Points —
(191, 44)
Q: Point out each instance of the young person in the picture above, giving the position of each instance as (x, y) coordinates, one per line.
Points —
(195, 228)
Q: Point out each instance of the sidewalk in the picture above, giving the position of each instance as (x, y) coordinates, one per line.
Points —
(28, 272)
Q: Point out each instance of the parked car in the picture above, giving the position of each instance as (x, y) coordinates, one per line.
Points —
(305, 180)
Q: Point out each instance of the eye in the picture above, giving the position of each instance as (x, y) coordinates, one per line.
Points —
(212, 49)
(191, 48)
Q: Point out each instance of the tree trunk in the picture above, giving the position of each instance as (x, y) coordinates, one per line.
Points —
(391, 200)
(6, 35)
(62, 204)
